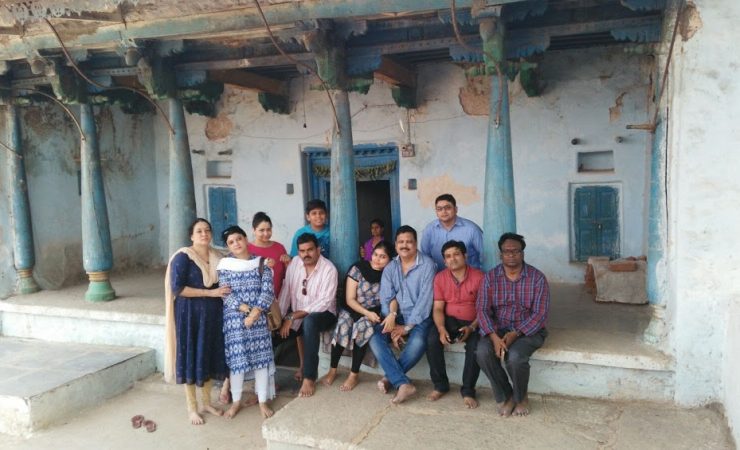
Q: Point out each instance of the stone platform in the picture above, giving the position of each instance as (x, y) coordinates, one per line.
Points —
(42, 383)
(593, 349)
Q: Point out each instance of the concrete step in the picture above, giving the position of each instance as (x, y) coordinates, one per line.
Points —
(42, 383)
(133, 321)
(576, 362)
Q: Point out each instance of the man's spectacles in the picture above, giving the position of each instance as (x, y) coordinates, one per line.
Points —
(511, 252)
(305, 282)
(444, 208)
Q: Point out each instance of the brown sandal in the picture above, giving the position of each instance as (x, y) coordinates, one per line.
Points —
(150, 425)
(137, 420)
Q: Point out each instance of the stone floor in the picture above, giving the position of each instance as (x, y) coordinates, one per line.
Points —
(363, 418)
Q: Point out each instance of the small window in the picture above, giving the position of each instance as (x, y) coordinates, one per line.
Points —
(218, 169)
(595, 162)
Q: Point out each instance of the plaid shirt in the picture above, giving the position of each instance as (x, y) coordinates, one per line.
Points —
(520, 305)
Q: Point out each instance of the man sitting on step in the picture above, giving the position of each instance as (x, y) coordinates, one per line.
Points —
(455, 293)
(512, 306)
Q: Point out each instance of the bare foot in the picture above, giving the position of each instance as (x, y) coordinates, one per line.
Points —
(215, 411)
(195, 418)
(250, 400)
(504, 409)
(266, 411)
(298, 375)
(307, 388)
(225, 396)
(384, 385)
(470, 402)
(522, 408)
(329, 378)
(351, 382)
(234, 410)
(405, 391)
(435, 395)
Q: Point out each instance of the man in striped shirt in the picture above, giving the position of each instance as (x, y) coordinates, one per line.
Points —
(512, 308)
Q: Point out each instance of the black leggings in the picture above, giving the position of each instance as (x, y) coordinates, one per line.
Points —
(358, 353)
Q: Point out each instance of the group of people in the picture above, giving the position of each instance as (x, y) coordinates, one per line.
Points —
(402, 301)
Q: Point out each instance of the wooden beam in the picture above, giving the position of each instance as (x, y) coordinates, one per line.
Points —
(395, 73)
(249, 80)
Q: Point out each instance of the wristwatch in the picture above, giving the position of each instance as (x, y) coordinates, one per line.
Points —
(407, 328)
(289, 316)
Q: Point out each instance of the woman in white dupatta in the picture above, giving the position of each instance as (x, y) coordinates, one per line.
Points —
(247, 338)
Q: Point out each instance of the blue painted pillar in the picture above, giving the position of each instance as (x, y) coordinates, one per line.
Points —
(343, 223)
(20, 210)
(182, 190)
(499, 209)
(97, 253)
(656, 217)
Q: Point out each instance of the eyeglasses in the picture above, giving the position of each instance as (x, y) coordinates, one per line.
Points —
(511, 252)
(305, 282)
(444, 208)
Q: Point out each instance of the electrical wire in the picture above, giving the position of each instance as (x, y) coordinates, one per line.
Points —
(453, 14)
(679, 13)
(55, 100)
(101, 86)
(299, 63)
(10, 150)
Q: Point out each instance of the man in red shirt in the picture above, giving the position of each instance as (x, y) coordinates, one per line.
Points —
(455, 293)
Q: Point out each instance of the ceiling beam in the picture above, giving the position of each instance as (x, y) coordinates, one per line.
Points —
(249, 80)
(395, 73)
(232, 20)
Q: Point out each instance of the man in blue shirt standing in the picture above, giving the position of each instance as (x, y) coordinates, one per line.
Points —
(449, 226)
(406, 303)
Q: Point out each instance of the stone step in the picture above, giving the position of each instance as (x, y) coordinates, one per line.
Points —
(130, 322)
(42, 383)
(574, 362)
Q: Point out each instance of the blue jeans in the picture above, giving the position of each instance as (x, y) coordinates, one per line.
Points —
(416, 344)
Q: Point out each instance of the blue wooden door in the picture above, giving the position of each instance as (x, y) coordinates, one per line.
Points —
(221, 210)
(596, 221)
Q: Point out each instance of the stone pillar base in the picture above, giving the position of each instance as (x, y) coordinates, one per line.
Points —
(100, 289)
(26, 283)
(656, 332)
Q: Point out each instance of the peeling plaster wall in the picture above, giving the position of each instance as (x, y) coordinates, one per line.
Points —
(705, 188)
(591, 95)
(52, 151)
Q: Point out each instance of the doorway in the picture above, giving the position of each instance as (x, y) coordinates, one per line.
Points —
(376, 178)
(373, 201)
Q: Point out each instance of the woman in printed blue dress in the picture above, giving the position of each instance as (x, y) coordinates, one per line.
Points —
(194, 340)
(247, 338)
(356, 319)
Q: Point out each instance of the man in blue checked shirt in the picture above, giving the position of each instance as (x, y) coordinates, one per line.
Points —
(512, 308)
(449, 226)
(406, 304)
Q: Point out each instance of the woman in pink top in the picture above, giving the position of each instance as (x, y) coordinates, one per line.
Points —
(273, 251)
(377, 231)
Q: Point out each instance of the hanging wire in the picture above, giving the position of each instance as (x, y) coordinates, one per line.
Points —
(453, 13)
(300, 63)
(55, 100)
(101, 86)
(10, 150)
(303, 98)
(679, 13)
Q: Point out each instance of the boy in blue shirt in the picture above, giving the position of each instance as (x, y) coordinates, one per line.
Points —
(317, 225)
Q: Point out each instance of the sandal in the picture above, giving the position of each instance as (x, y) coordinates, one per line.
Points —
(137, 420)
(150, 425)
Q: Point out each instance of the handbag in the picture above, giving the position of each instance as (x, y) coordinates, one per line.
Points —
(274, 319)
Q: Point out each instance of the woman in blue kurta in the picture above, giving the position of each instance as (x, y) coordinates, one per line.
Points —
(194, 341)
(247, 338)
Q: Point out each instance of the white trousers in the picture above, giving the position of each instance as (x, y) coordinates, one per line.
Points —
(264, 385)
